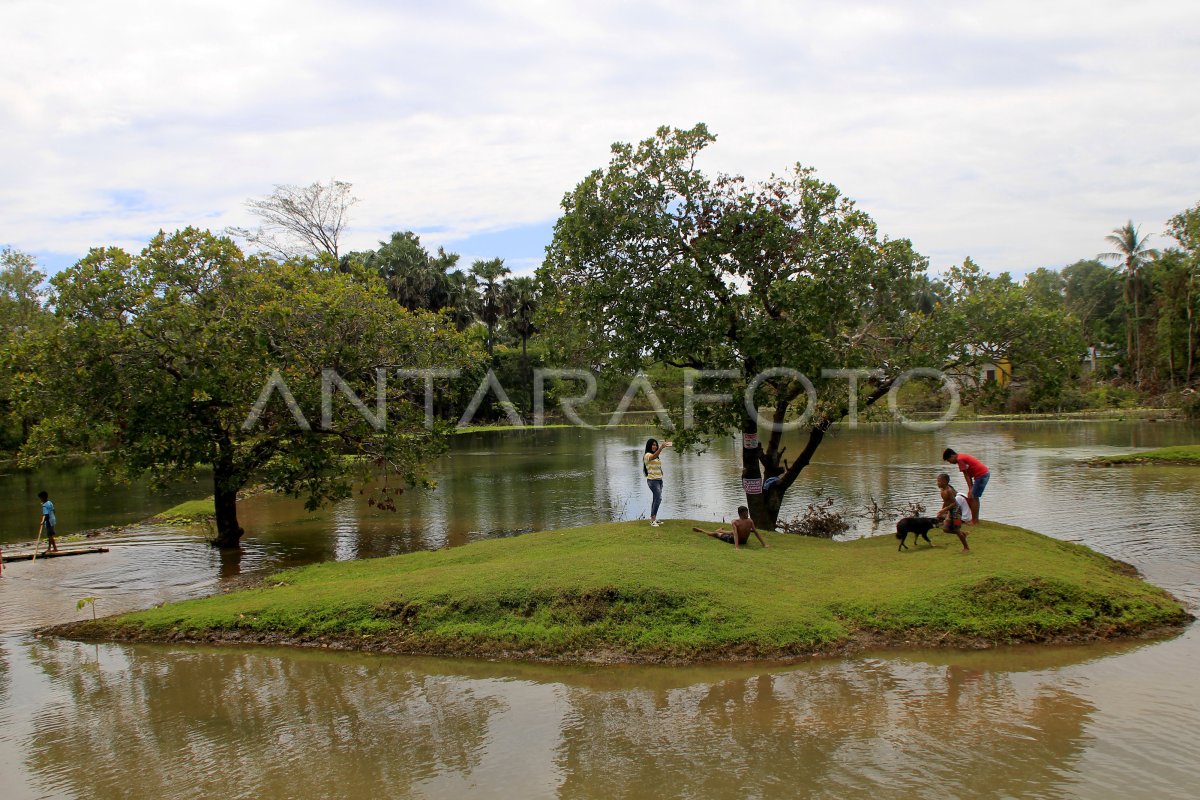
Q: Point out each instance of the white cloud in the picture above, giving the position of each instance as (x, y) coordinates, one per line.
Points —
(1017, 133)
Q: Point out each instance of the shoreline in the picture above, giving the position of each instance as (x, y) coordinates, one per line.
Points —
(1180, 456)
(677, 599)
(1134, 414)
(857, 644)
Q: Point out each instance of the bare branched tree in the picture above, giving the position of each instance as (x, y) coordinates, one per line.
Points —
(300, 220)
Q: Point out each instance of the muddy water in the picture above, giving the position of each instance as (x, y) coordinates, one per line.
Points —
(1097, 721)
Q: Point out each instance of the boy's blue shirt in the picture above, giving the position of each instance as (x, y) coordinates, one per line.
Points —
(48, 513)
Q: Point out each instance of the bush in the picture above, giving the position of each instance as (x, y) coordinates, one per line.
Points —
(1018, 401)
(1106, 395)
(922, 395)
(819, 520)
(1189, 403)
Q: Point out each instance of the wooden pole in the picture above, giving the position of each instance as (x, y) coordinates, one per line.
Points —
(39, 539)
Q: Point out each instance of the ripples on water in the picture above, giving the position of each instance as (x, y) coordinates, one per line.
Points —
(1111, 720)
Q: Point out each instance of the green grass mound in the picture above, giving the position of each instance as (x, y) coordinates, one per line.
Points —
(629, 592)
(189, 512)
(1184, 455)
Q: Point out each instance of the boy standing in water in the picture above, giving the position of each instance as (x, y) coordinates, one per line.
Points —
(974, 473)
(955, 510)
(48, 521)
(743, 526)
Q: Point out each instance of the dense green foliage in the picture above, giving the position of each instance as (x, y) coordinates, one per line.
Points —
(625, 591)
(23, 315)
(157, 360)
(655, 262)
(418, 279)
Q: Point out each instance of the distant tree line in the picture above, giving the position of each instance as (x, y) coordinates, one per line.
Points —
(1136, 306)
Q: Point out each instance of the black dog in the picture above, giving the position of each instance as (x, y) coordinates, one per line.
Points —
(918, 527)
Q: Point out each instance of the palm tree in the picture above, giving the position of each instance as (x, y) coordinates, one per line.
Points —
(1132, 251)
(487, 277)
(462, 301)
(520, 305)
(412, 279)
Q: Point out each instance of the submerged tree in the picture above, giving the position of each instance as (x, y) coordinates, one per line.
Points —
(660, 263)
(193, 356)
(652, 261)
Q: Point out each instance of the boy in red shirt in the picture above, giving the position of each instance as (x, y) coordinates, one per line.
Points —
(974, 473)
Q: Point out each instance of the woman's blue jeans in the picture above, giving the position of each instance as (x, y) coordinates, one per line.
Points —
(656, 490)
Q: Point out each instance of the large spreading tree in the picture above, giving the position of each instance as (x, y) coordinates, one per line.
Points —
(182, 359)
(654, 261)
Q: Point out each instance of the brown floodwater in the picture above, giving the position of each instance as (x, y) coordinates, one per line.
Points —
(1103, 720)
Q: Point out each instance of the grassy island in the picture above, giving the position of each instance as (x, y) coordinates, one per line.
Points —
(1182, 455)
(189, 512)
(627, 592)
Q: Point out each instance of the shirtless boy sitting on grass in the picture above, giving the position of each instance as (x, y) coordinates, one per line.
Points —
(743, 526)
(955, 510)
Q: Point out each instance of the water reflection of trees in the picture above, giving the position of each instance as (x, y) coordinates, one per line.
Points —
(153, 723)
(879, 729)
(143, 721)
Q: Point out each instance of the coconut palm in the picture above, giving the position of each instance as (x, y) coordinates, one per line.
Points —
(1132, 250)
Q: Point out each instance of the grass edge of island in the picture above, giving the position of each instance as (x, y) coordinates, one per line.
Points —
(1133, 609)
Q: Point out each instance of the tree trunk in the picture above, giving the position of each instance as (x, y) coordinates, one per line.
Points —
(525, 376)
(225, 489)
(1171, 361)
(1128, 323)
(1191, 337)
(764, 495)
(1137, 332)
(763, 510)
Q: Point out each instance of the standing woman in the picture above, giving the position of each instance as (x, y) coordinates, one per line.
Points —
(652, 469)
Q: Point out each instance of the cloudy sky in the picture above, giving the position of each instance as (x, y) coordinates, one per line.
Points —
(1016, 133)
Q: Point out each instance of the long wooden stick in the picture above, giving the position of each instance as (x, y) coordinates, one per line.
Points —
(39, 539)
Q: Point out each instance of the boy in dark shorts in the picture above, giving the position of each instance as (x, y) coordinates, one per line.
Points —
(48, 522)
(743, 526)
(954, 510)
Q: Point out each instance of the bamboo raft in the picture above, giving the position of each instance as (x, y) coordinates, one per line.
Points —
(60, 554)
